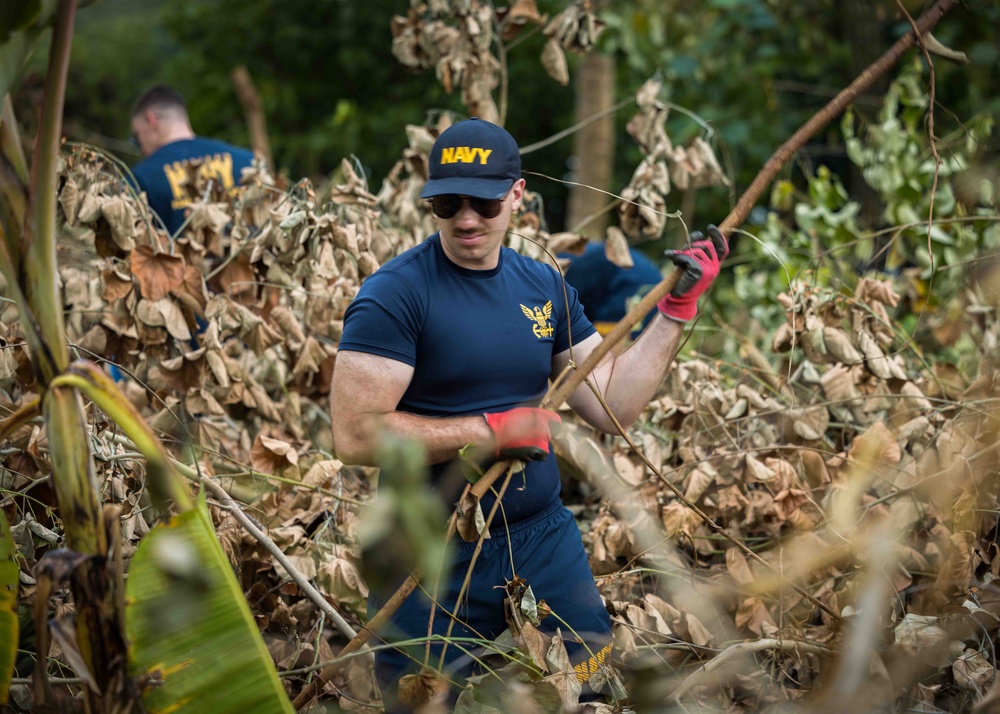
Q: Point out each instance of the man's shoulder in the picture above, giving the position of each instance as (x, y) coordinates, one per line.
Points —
(513, 259)
(185, 149)
(217, 146)
(405, 271)
(412, 259)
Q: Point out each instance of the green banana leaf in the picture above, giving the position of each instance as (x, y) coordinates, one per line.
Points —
(8, 608)
(190, 631)
(21, 24)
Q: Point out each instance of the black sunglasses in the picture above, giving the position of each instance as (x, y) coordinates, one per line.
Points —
(447, 205)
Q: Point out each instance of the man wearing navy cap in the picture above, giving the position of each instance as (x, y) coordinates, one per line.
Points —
(455, 341)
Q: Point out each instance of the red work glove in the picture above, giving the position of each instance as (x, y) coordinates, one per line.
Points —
(522, 433)
(700, 264)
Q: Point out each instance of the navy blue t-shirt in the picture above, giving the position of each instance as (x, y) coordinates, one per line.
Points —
(605, 289)
(162, 173)
(478, 340)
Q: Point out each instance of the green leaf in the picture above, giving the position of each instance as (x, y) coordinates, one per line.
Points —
(18, 38)
(529, 606)
(189, 627)
(8, 608)
(17, 15)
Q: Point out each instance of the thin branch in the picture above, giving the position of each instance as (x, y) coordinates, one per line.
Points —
(253, 112)
(930, 133)
(576, 127)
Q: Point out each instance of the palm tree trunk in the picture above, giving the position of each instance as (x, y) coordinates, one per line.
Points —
(593, 145)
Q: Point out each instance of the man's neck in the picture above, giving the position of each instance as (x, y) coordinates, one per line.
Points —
(178, 133)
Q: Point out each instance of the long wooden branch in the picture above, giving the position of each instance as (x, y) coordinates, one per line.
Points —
(561, 390)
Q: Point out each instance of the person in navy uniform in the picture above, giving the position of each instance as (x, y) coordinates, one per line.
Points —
(605, 289)
(453, 343)
(162, 130)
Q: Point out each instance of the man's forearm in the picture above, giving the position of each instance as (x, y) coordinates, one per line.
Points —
(442, 437)
(630, 380)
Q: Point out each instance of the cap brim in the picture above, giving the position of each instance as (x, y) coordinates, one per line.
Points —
(476, 188)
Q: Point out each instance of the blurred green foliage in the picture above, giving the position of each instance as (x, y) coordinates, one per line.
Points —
(816, 234)
(754, 70)
(743, 74)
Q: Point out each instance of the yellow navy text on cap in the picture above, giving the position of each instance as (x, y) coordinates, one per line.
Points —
(464, 155)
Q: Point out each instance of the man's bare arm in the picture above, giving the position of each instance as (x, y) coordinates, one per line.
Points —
(364, 394)
(627, 381)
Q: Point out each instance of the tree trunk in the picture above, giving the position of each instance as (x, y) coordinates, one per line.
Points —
(253, 110)
(862, 26)
(593, 145)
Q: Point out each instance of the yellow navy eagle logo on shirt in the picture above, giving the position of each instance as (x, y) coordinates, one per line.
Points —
(540, 316)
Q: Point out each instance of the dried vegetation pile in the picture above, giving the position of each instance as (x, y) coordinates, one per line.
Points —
(825, 526)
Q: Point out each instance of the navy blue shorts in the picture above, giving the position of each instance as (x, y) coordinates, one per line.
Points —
(548, 555)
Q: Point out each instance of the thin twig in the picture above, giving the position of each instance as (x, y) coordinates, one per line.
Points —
(576, 127)
(930, 128)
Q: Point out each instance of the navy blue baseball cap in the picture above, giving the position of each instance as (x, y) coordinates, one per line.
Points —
(473, 158)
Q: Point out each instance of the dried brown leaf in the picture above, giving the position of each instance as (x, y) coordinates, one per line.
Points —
(273, 456)
(200, 401)
(814, 468)
(756, 471)
(973, 672)
(121, 218)
(470, 521)
(537, 645)
(838, 344)
(163, 313)
(753, 615)
(341, 578)
(616, 248)
(678, 518)
(567, 243)
(563, 678)
(419, 690)
(115, 285)
(158, 273)
(629, 471)
(554, 62)
(874, 447)
(237, 278)
(738, 567)
(699, 481)
(191, 292)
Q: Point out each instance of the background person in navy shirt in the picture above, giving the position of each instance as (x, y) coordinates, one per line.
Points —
(453, 343)
(161, 127)
(605, 289)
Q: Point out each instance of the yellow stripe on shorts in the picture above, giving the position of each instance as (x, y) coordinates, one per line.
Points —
(585, 669)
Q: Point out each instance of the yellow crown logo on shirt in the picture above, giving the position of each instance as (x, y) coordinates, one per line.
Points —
(540, 316)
